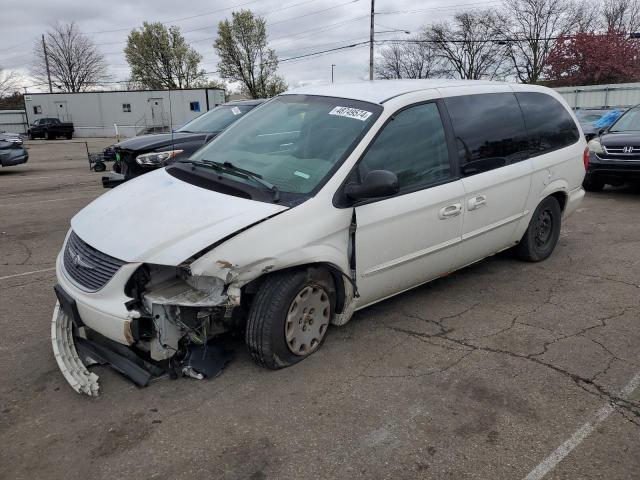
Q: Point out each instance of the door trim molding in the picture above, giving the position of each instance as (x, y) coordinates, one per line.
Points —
(494, 225)
(412, 256)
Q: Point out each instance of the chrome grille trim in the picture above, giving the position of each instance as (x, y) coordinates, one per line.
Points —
(87, 267)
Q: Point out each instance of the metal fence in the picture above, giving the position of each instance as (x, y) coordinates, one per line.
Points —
(13, 121)
(602, 96)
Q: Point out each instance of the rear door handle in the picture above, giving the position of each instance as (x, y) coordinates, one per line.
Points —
(450, 211)
(476, 202)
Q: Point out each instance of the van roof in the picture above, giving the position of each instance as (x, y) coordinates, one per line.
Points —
(378, 91)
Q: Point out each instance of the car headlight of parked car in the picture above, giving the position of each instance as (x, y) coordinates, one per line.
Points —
(595, 146)
(157, 158)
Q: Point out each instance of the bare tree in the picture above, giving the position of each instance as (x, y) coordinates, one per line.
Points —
(8, 83)
(621, 15)
(75, 62)
(467, 46)
(530, 27)
(414, 58)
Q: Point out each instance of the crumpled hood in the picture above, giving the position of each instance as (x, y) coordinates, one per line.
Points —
(153, 142)
(156, 218)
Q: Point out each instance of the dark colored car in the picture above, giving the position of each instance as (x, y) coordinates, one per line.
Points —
(139, 155)
(12, 152)
(50, 128)
(614, 155)
(592, 120)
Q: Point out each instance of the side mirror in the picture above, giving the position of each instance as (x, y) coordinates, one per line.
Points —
(377, 183)
(603, 130)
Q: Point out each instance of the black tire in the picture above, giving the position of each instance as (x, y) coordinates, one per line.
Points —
(31, 136)
(50, 136)
(99, 167)
(265, 330)
(591, 184)
(543, 232)
(69, 136)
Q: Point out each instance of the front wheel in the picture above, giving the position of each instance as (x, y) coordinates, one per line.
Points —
(541, 237)
(289, 317)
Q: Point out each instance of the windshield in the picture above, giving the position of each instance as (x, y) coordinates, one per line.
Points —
(294, 141)
(216, 120)
(629, 122)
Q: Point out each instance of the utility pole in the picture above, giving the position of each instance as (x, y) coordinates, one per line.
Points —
(46, 61)
(332, 66)
(371, 41)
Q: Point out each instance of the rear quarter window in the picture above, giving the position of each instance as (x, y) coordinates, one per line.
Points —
(549, 124)
(489, 131)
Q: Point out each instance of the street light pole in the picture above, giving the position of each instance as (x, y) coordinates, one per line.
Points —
(371, 41)
(332, 66)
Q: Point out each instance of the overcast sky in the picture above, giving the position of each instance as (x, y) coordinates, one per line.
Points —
(295, 27)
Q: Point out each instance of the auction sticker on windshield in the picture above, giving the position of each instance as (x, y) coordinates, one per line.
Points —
(236, 111)
(350, 113)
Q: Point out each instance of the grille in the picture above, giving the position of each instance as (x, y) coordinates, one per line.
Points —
(623, 153)
(88, 267)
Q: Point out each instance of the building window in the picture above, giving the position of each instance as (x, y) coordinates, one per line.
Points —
(126, 107)
(194, 106)
(37, 109)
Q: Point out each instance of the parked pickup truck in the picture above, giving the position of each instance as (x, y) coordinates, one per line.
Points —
(50, 128)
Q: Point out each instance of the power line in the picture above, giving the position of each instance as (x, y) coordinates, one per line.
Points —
(447, 7)
(181, 19)
(287, 7)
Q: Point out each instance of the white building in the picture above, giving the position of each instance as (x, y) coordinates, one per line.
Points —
(96, 114)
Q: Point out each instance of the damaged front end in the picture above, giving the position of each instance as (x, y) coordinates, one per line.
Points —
(172, 318)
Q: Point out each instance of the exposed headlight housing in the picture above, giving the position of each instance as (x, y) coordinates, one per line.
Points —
(595, 146)
(157, 158)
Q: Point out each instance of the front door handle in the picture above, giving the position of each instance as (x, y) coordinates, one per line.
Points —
(476, 202)
(450, 211)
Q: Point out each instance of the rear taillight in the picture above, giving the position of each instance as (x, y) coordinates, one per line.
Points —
(585, 158)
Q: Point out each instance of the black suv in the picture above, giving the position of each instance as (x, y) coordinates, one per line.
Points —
(139, 155)
(614, 155)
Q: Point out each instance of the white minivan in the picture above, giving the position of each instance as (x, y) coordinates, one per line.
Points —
(320, 202)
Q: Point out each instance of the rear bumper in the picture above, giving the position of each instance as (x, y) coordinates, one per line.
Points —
(15, 159)
(573, 201)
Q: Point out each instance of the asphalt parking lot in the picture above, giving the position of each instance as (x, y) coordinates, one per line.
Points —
(503, 370)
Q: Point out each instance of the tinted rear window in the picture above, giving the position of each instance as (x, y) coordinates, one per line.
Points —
(549, 124)
(489, 130)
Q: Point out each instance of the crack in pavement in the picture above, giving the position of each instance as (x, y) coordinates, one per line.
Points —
(587, 384)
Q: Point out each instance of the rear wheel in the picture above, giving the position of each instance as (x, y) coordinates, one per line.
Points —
(50, 136)
(69, 136)
(289, 317)
(543, 232)
(591, 184)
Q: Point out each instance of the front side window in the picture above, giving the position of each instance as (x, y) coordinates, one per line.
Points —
(292, 142)
(489, 130)
(413, 146)
(549, 124)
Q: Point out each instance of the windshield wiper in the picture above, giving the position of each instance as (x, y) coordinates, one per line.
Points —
(228, 167)
(255, 177)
